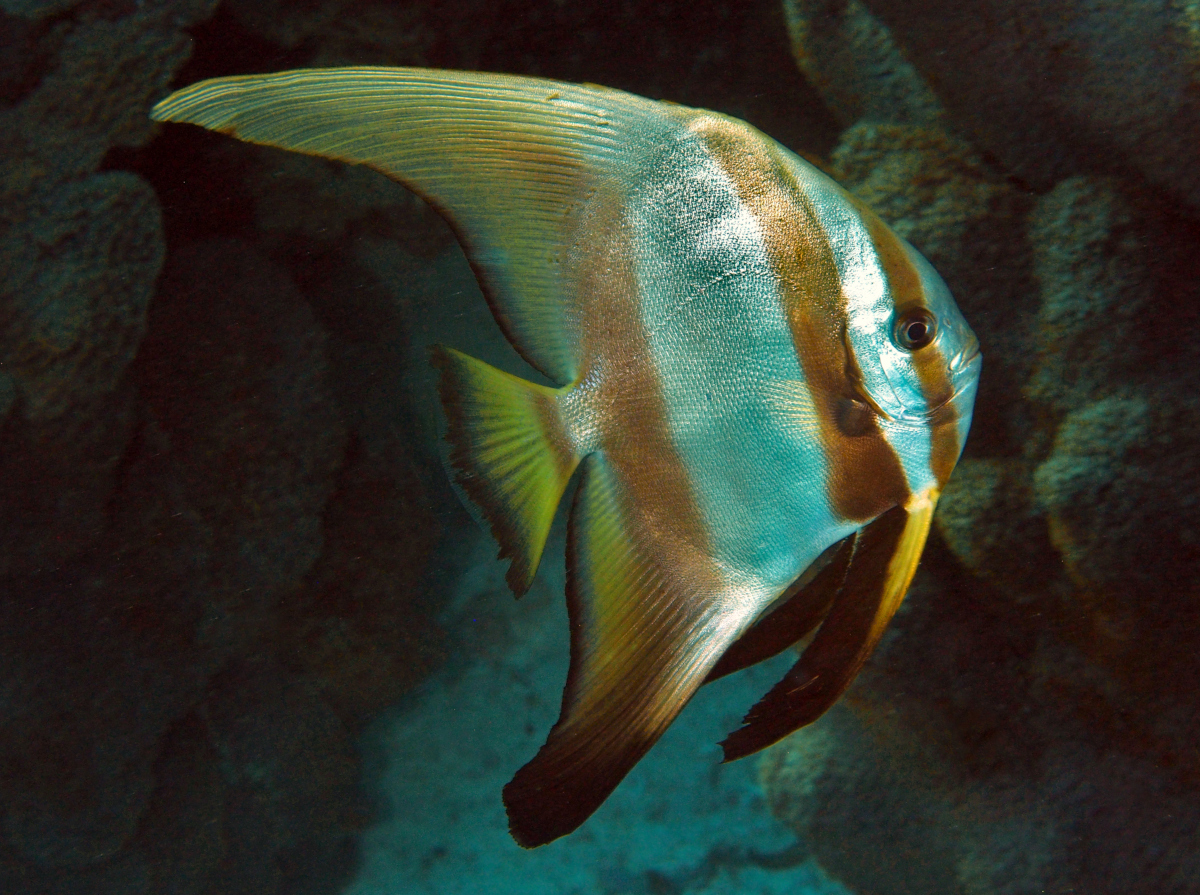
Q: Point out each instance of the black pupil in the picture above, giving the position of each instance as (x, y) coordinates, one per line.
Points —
(915, 330)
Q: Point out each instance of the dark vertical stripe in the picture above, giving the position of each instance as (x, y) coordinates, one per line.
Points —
(864, 477)
(626, 403)
(904, 281)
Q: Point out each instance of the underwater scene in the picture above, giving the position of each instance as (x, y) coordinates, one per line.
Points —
(495, 454)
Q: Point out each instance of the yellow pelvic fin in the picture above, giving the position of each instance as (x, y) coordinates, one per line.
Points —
(642, 642)
(882, 566)
(507, 160)
(511, 451)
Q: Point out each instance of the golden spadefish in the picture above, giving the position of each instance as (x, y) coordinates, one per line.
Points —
(756, 456)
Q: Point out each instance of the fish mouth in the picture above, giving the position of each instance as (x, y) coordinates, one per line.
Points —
(965, 358)
(964, 384)
(959, 367)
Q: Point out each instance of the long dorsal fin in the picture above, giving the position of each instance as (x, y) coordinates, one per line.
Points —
(509, 161)
(798, 614)
(641, 645)
(882, 567)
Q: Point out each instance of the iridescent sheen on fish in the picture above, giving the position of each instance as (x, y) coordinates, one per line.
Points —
(760, 388)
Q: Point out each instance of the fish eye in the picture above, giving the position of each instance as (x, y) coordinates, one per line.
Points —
(914, 329)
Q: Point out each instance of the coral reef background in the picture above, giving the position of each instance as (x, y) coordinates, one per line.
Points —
(230, 566)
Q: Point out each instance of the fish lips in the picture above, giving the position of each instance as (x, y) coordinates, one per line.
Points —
(964, 372)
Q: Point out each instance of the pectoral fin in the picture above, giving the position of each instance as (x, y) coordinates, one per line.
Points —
(642, 642)
(882, 566)
(509, 162)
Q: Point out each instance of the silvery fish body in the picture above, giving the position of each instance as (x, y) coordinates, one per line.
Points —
(762, 389)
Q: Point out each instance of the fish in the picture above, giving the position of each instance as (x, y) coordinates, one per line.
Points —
(758, 390)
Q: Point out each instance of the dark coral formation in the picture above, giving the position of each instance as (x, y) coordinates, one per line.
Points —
(1029, 723)
(850, 57)
(1063, 87)
(214, 532)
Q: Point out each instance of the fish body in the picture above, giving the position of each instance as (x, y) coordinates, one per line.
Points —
(761, 388)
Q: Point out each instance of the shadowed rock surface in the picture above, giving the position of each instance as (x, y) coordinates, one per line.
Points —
(1028, 724)
(1063, 87)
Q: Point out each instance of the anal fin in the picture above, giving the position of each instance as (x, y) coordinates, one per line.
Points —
(642, 642)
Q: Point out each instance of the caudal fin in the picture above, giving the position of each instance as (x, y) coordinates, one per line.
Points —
(510, 448)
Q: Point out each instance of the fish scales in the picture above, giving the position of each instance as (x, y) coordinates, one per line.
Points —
(710, 300)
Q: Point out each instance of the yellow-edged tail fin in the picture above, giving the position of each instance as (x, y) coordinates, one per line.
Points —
(885, 559)
(510, 448)
(509, 161)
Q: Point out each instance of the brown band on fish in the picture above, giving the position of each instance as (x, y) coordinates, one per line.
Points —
(644, 632)
(628, 398)
(904, 283)
(865, 477)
